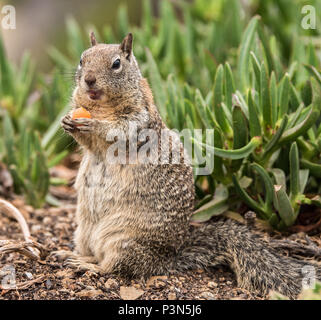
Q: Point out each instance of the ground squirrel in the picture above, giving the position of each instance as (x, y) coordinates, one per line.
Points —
(133, 219)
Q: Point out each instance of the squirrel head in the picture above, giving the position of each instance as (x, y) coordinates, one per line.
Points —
(107, 74)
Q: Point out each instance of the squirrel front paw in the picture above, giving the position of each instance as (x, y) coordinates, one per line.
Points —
(82, 125)
(67, 123)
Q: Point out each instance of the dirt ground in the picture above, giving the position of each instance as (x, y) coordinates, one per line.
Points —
(53, 227)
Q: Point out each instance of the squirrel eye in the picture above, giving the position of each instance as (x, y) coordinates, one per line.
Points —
(116, 64)
(80, 62)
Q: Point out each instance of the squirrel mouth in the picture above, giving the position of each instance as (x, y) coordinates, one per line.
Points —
(94, 94)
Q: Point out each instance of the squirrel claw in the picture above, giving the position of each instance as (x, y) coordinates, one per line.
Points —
(62, 254)
(81, 266)
(73, 263)
(68, 124)
(72, 125)
(84, 125)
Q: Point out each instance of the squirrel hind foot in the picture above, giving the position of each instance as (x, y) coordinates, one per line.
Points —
(81, 264)
(63, 255)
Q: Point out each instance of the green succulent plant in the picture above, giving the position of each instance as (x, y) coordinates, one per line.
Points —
(255, 80)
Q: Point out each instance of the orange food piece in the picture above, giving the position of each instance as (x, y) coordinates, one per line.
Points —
(81, 113)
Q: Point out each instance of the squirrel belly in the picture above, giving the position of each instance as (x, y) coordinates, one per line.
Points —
(133, 219)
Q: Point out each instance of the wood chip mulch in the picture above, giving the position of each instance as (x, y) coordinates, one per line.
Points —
(49, 279)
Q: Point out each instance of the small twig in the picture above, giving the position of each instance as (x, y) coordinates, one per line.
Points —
(29, 247)
(27, 284)
(250, 217)
(24, 285)
(23, 247)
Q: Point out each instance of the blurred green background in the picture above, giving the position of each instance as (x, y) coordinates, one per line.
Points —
(42, 22)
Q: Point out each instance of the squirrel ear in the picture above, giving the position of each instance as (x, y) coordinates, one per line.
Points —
(127, 45)
(93, 39)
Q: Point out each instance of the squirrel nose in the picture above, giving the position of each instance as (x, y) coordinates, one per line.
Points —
(90, 79)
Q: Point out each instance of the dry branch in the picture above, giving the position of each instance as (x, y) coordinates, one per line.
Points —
(24, 285)
(29, 247)
(11, 210)
(23, 247)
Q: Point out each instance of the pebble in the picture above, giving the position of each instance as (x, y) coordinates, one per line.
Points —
(90, 288)
(62, 226)
(56, 211)
(111, 283)
(67, 282)
(35, 228)
(212, 284)
(172, 296)
(47, 220)
(29, 209)
(156, 281)
(243, 296)
(29, 275)
(48, 284)
(64, 273)
(208, 295)
(40, 212)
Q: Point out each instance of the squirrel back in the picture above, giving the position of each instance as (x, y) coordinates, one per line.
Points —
(134, 218)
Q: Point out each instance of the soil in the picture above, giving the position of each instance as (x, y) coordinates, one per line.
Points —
(53, 227)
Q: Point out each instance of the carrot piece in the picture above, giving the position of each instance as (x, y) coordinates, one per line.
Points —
(81, 113)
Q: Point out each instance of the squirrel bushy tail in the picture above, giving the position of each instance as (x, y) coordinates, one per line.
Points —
(257, 266)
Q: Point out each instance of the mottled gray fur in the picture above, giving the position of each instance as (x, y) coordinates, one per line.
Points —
(133, 220)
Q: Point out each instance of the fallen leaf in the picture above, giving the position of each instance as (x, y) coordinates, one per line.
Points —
(89, 293)
(64, 274)
(130, 293)
(172, 296)
(212, 284)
